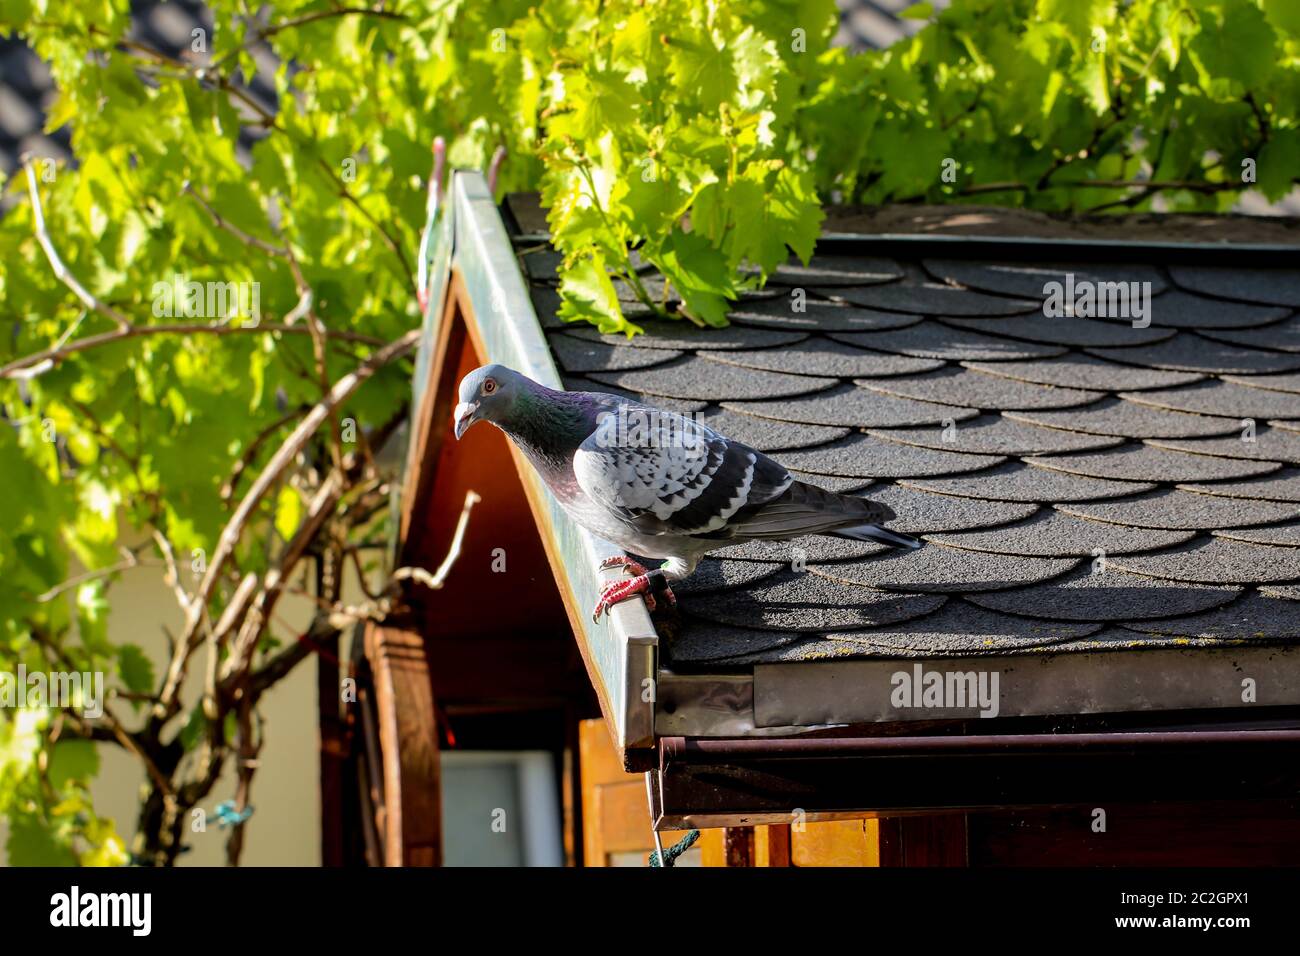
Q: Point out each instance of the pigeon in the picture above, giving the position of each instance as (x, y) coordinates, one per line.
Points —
(655, 483)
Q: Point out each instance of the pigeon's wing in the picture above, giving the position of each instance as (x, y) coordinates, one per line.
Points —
(662, 473)
(806, 509)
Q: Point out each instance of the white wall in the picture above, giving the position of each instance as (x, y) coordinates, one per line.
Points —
(285, 827)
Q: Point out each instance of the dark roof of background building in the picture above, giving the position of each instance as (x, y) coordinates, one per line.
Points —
(27, 89)
(1025, 449)
(875, 24)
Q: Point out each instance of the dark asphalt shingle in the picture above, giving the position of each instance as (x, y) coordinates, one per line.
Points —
(1027, 279)
(1189, 352)
(1031, 451)
(717, 574)
(682, 335)
(1214, 397)
(865, 456)
(988, 392)
(799, 600)
(839, 485)
(1270, 286)
(707, 641)
(1079, 370)
(940, 570)
(1020, 482)
(1135, 462)
(577, 383)
(1124, 419)
(822, 356)
(1214, 560)
(577, 355)
(1175, 509)
(1112, 595)
(794, 314)
(920, 512)
(930, 298)
(801, 550)
(962, 628)
(1065, 331)
(1251, 616)
(854, 406)
(932, 339)
(1280, 486)
(1284, 336)
(1281, 534)
(1055, 534)
(1289, 592)
(1181, 310)
(998, 435)
(1285, 382)
(837, 271)
(770, 434)
(696, 377)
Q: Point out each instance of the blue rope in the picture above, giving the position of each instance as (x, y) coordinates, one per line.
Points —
(228, 816)
(673, 852)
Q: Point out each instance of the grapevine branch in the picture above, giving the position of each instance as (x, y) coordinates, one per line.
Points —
(267, 119)
(40, 362)
(56, 263)
(294, 444)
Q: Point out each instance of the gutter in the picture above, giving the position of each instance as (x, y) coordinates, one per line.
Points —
(711, 783)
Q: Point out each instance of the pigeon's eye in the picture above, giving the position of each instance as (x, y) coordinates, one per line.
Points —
(489, 387)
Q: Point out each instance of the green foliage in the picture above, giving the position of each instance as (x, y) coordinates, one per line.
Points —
(1070, 105)
(668, 127)
(707, 136)
(115, 443)
(699, 138)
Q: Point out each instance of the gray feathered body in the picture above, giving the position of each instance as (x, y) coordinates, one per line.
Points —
(667, 486)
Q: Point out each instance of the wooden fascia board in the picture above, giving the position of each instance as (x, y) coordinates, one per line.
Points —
(487, 300)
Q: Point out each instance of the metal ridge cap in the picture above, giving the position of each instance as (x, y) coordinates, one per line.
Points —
(1065, 241)
(1011, 240)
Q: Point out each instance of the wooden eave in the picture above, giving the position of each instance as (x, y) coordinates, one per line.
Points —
(485, 315)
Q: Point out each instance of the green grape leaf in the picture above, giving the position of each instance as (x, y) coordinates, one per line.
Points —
(135, 669)
(31, 843)
(72, 761)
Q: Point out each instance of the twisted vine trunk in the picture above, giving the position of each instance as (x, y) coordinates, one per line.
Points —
(160, 823)
(159, 829)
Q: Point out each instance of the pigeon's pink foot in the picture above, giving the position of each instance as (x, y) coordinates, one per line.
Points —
(617, 591)
(622, 561)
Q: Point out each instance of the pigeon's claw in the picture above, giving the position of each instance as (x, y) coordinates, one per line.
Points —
(626, 589)
(622, 561)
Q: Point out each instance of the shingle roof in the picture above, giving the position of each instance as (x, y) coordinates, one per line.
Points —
(1083, 483)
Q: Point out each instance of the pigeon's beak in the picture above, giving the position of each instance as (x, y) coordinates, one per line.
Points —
(464, 417)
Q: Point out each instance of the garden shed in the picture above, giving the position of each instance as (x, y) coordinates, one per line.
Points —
(1095, 659)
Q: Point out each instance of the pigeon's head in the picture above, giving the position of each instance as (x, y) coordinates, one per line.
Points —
(486, 394)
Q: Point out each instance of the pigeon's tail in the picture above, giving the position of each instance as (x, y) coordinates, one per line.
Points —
(806, 509)
(872, 532)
